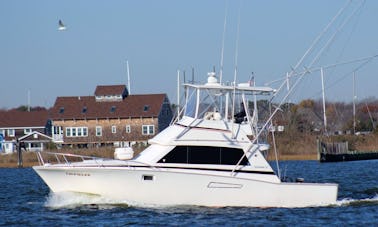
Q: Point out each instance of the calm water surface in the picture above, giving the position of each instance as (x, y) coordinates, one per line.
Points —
(27, 201)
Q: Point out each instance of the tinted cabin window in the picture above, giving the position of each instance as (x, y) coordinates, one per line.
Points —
(204, 155)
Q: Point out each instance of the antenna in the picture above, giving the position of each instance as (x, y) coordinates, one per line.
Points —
(128, 77)
(178, 94)
(235, 73)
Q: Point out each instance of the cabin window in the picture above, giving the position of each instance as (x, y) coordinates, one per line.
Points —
(98, 131)
(114, 129)
(128, 129)
(205, 155)
(148, 129)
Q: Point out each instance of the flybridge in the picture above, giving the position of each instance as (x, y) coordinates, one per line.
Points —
(212, 83)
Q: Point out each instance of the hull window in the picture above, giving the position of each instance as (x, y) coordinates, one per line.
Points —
(204, 155)
(148, 177)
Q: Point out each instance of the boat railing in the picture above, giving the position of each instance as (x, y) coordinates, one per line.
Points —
(48, 158)
(44, 157)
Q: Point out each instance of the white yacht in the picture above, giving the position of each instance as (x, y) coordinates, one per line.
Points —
(211, 155)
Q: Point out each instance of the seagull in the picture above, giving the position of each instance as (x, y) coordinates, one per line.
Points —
(61, 26)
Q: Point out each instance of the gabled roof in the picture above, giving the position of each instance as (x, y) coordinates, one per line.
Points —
(22, 119)
(31, 135)
(103, 90)
(86, 107)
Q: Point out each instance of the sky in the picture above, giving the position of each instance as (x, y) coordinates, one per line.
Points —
(157, 38)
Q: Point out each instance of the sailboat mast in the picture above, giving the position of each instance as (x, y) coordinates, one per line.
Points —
(323, 96)
(128, 77)
(354, 102)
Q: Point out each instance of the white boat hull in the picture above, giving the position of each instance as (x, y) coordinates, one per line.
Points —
(143, 185)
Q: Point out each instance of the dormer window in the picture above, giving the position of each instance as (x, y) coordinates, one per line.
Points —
(84, 110)
(112, 109)
(146, 108)
(61, 110)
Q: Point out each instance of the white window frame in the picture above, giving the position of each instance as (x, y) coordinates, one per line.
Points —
(128, 129)
(11, 132)
(98, 130)
(68, 132)
(76, 131)
(148, 129)
(114, 129)
(27, 131)
(79, 132)
(2, 131)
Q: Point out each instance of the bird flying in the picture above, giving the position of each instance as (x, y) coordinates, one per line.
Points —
(61, 26)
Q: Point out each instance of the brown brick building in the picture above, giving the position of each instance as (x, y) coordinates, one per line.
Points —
(110, 117)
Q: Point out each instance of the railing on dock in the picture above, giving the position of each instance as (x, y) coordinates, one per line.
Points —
(333, 148)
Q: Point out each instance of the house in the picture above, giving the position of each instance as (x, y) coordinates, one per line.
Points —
(110, 117)
(27, 127)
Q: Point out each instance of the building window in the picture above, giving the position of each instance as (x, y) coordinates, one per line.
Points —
(84, 110)
(68, 132)
(61, 110)
(79, 132)
(98, 131)
(76, 132)
(146, 108)
(148, 129)
(112, 109)
(114, 129)
(58, 130)
(128, 129)
(11, 132)
(73, 132)
(2, 132)
(27, 131)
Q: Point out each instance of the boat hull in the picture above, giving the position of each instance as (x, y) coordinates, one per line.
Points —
(151, 186)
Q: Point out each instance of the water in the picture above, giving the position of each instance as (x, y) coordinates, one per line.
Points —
(26, 201)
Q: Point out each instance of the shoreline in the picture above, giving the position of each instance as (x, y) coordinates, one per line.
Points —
(30, 158)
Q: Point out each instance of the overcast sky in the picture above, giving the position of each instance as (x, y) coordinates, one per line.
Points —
(158, 38)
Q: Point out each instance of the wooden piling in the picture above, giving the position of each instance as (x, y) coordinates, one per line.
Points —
(19, 152)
